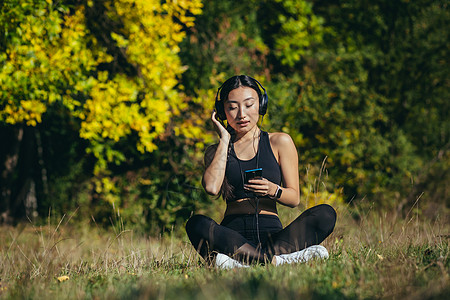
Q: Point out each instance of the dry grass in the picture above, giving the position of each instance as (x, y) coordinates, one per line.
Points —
(375, 256)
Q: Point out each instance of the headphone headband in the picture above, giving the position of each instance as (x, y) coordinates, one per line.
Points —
(263, 101)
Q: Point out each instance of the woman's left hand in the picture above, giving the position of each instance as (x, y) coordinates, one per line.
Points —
(261, 187)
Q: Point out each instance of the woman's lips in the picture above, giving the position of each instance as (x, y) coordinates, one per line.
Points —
(243, 124)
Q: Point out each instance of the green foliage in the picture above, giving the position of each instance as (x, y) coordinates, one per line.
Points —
(408, 41)
(224, 41)
(401, 78)
(299, 30)
(113, 99)
(339, 118)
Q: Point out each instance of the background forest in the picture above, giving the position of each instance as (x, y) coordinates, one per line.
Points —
(104, 105)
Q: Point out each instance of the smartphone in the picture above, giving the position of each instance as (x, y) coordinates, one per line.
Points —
(252, 174)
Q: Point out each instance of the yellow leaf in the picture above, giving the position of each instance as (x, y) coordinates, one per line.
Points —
(62, 278)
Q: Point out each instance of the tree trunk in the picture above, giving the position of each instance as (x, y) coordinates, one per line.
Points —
(13, 140)
(18, 188)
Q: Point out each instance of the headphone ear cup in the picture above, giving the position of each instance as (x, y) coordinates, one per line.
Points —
(263, 104)
(220, 110)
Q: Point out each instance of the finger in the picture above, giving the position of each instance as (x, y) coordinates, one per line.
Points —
(216, 120)
(252, 186)
(256, 181)
(260, 189)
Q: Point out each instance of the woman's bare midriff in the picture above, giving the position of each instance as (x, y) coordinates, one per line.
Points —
(245, 206)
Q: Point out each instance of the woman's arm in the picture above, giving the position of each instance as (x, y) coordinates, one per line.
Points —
(288, 160)
(216, 160)
(284, 149)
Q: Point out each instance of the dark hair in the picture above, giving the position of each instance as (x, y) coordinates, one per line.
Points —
(238, 81)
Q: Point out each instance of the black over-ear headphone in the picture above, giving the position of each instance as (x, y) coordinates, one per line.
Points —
(220, 108)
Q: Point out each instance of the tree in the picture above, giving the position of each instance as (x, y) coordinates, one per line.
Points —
(116, 78)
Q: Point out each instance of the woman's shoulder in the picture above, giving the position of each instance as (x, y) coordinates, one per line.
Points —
(282, 144)
(280, 139)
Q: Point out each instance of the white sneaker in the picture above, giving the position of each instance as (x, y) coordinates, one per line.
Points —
(225, 262)
(316, 251)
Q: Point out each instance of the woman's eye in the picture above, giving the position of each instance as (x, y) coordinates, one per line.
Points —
(250, 105)
(231, 108)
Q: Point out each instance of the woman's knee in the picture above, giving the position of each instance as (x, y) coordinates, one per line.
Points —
(329, 211)
(328, 214)
(197, 224)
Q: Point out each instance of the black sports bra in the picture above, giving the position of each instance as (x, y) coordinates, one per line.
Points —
(236, 167)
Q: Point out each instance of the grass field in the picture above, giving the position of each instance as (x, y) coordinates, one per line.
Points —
(380, 256)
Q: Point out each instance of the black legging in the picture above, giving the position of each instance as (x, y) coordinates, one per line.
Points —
(310, 228)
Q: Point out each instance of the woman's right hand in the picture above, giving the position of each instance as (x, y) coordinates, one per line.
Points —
(220, 129)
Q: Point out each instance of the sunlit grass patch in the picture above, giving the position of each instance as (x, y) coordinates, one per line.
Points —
(375, 256)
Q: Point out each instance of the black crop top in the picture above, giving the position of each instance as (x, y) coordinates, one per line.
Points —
(266, 161)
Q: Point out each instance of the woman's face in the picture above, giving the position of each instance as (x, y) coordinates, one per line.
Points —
(242, 109)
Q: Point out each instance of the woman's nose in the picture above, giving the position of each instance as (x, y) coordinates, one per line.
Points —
(241, 114)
